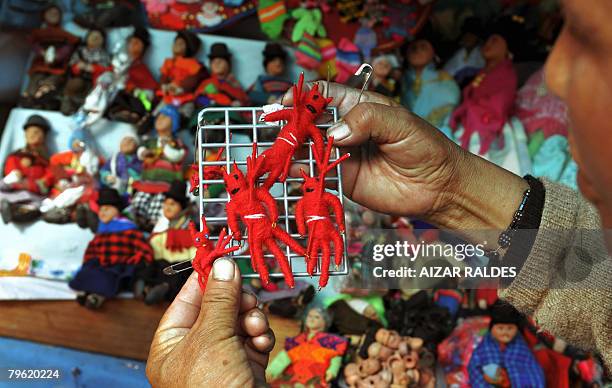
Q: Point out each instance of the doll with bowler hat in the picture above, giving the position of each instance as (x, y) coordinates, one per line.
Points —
(27, 176)
(271, 86)
(111, 257)
(221, 88)
(172, 243)
(181, 74)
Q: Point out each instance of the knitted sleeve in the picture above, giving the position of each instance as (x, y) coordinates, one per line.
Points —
(565, 282)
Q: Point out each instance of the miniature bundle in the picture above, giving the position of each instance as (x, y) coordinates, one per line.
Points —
(313, 211)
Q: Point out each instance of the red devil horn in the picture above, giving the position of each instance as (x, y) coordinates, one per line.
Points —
(192, 229)
(204, 226)
(304, 175)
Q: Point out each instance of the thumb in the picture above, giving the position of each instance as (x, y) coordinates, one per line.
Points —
(381, 123)
(221, 300)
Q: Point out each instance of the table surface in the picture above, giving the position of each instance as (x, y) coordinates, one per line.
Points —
(121, 328)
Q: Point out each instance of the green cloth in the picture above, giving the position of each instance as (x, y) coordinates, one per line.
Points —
(278, 364)
(375, 301)
(535, 143)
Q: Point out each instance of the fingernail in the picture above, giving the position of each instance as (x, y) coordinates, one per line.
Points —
(223, 269)
(339, 131)
(256, 314)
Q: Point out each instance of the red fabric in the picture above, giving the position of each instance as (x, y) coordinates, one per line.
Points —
(139, 76)
(36, 172)
(64, 42)
(487, 104)
(307, 107)
(183, 72)
(178, 239)
(486, 294)
(151, 187)
(129, 247)
(555, 365)
(228, 91)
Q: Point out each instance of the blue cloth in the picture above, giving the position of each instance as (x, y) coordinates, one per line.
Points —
(432, 96)
(554, 161)
(172, 112)
(463, 65)
(116, 225)
(517, 359)
(107, 280)
(267, 86)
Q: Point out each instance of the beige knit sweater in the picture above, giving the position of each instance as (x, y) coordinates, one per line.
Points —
(577, 311)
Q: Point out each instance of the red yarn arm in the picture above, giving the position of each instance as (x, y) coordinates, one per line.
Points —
(336, 205)
(265, 197)
(283, 114)
(317, 138)
(299, 217)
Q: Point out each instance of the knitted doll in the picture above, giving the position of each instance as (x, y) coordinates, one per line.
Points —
(503, 358)
(27, 175)
(312, 358)
(163, 157)
(133, 103)
(171, 242)
(430, 93)
(221, 88)
(181, 74)
(53, 47)
(111, 257)
(123, 168)
(467, 60)
(271, 86)
(381, 76)
(85, 64)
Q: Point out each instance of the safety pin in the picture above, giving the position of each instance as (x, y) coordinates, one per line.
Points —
(366, 69)
(172, 269)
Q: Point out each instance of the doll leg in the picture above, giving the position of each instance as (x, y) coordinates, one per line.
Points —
(313, 256)
(338, 247)
(257, 258)
(253, 246)
(282, 261)
(325, 251)
(283, 236)
(285, 171)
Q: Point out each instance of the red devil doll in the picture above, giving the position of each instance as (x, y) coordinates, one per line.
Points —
(206, 254)
(258, 212)
(300, 126)
(210, 173)
(312, 211)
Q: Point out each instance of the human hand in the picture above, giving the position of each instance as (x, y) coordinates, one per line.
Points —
(402, 165)
(219, 338)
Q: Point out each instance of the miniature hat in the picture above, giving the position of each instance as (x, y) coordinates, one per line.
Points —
(472, 25)
(39, 121)
(178, 192)
(503, 312)
(143, 35)
(192, 42)
(220, 50)
(110, 197)
(172, 112)
(274, 50)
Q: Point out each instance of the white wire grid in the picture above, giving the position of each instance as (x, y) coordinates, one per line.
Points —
(284, 200)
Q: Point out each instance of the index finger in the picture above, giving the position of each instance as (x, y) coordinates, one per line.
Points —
(184, 310)
(344, 97)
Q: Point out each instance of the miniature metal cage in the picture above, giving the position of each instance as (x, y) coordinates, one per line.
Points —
(225, 129)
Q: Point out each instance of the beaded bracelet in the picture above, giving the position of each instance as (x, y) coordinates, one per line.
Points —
(505, 238)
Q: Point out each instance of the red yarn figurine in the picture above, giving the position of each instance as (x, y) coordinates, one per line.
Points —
(205, 253)
(312, 210)
(307, 107)
(210, 172)
(247, 203)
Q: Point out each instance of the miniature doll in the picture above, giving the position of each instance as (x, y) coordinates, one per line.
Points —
(111, 257)
(502, 358)
(163, 158)
(271, 86)
(172, 243)
(123, 168)
(135, 101)
(222, 87)
(27, 176)
(181, 74)
(381, 76)
(483, 122)
(74, 174)
(467, 60)
(313, 358)
(86, 62)
(53, 47)
(430, 93)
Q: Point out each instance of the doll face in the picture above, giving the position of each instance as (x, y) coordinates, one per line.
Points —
(315, 321)
(369, 366)
(420, 53)
(382, 68)
(179, 48)
(163, 125)
(275, 67)
(469, 40)
(315, 102)
(34, 136)
(107, 213)
(128, 146)
(171, 209)
(504, 332)
(219, 67)
(135, 48)
(52, 16)
(95, 39)
(235, 181)
(495, 49)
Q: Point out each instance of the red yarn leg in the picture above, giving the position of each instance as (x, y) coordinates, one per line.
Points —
(252, 249)
(314, 256)
(282, 261)
(285, 171)
(338, 247)
(283, 236)
(258, 258)
(325, 251)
